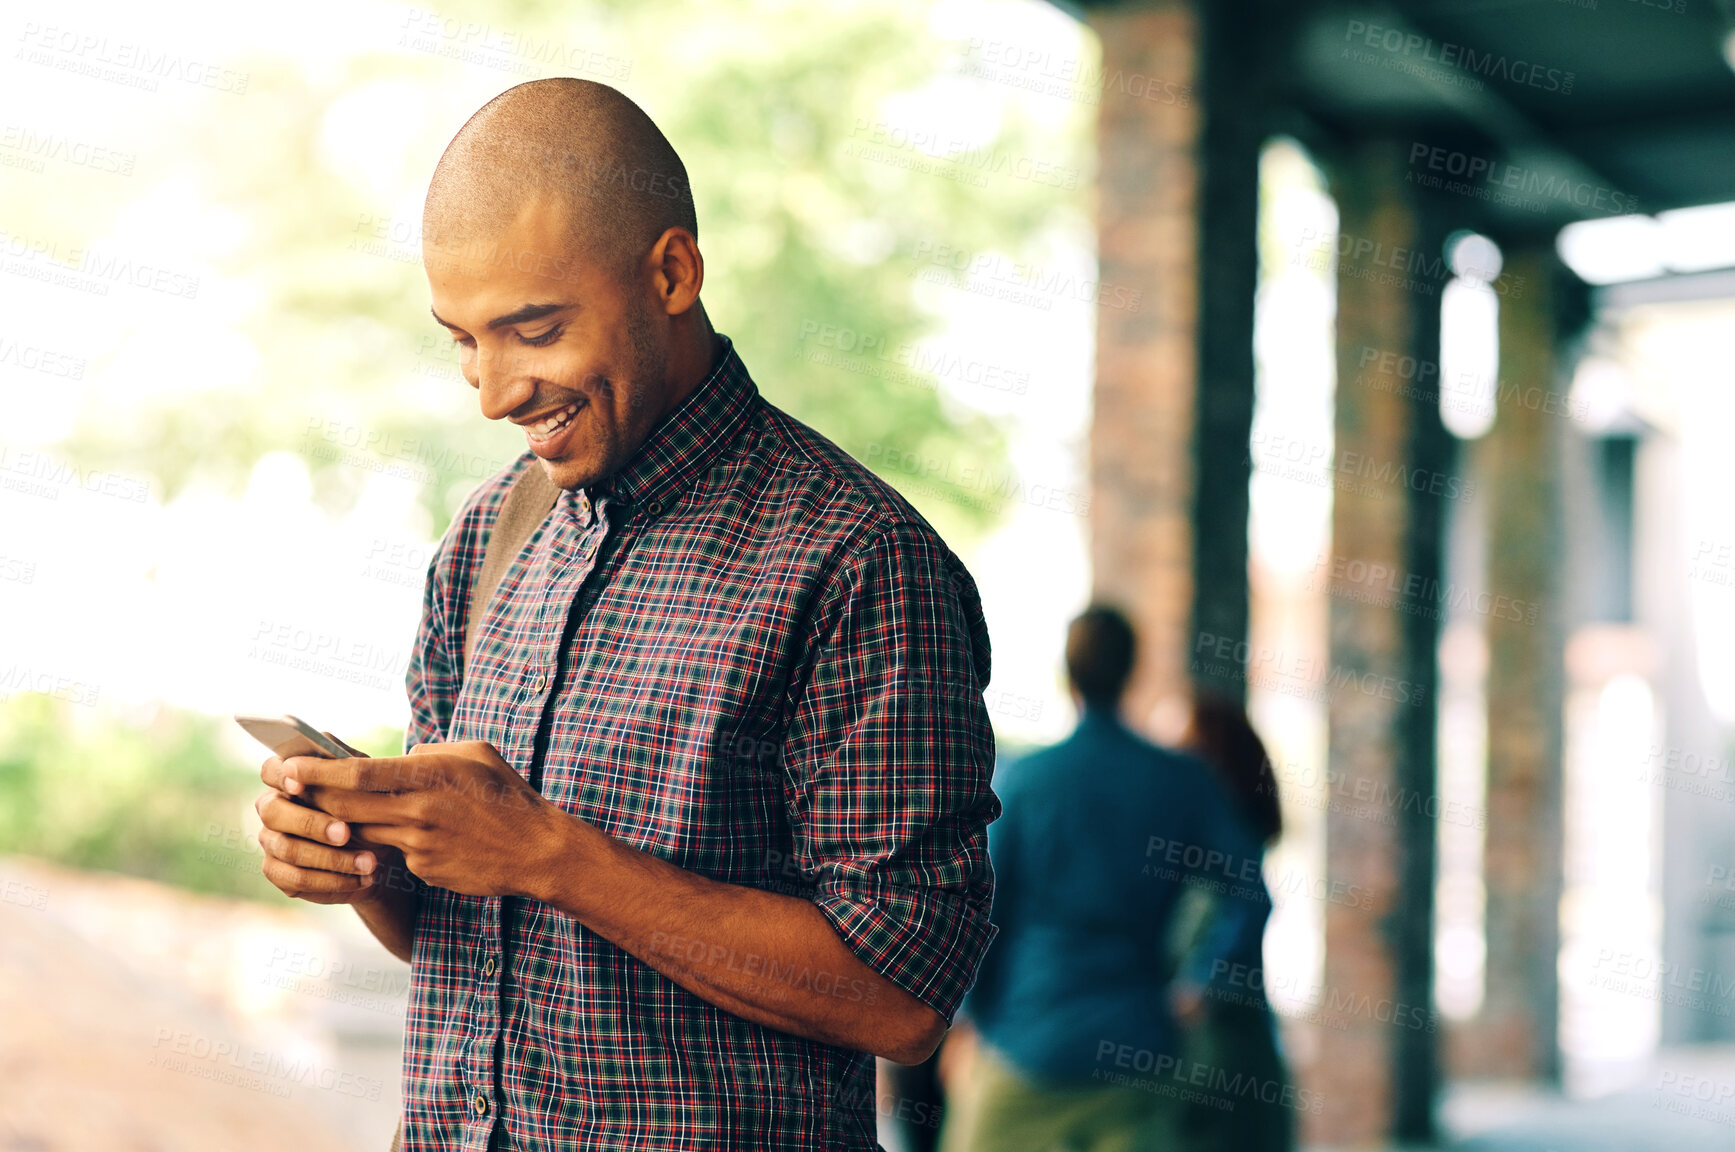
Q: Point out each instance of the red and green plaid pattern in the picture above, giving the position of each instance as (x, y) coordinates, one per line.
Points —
(748, 655)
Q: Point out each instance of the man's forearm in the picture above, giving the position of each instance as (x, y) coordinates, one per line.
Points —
(391, 915)
(765, 956)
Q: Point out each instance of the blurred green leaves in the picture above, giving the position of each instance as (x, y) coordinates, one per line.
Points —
(763, 100)
(165, 798)
(298, 206)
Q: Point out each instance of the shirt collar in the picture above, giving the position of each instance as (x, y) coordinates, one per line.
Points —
(685, 442)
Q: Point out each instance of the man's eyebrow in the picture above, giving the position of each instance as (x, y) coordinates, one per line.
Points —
(523, 315)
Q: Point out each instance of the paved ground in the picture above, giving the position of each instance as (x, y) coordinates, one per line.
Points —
(138, 1018)
(1684, 1103)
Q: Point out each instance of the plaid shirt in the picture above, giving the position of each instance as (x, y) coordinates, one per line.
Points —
(745, 654)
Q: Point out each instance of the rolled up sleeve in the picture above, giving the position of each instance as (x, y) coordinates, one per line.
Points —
(889, 755)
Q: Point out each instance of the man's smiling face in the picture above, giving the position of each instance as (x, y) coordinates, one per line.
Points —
(555, 343)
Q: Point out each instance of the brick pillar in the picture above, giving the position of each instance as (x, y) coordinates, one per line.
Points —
(1516, 1032)
(1141, 467)
(1375, 1068)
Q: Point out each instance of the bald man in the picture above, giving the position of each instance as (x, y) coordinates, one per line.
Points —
(700, 827)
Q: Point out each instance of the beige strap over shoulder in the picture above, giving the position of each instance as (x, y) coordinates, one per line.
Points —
(525, 507)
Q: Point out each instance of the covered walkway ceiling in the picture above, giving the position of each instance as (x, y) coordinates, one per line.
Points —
(1630, 97)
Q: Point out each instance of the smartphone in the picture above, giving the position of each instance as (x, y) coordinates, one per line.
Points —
(292, 736)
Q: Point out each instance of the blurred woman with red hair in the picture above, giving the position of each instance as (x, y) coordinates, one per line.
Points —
(1238, 1033)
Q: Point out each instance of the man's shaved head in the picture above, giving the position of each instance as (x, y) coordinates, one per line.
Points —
(579, 146)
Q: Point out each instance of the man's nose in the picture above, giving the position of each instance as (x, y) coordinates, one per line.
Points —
(504, 385)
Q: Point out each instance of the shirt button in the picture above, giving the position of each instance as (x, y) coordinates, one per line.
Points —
(540, 683)
(488, 967)
(480, 1103)
(655, 507)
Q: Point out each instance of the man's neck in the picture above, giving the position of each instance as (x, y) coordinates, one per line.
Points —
(693, 359)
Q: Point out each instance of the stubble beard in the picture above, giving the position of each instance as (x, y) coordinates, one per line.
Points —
(622, 441)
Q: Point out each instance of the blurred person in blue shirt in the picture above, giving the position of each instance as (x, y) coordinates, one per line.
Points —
(1072, 1039)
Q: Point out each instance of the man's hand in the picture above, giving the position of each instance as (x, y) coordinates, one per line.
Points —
(461, 817)
(467, 822)
(312, 857)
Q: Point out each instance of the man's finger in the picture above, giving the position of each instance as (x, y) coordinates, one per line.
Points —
(353, 773)
(307, 854)
(368, 807)
(388, 835)
(293, 879)
(279, 812)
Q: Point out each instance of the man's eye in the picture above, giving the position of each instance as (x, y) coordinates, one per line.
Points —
(547, 337)
(463, 341)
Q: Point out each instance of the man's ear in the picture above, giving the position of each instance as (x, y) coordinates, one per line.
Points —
(679, 270)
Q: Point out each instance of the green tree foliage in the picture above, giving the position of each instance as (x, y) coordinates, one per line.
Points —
(770, 106)
(164, 797)
(312, 186)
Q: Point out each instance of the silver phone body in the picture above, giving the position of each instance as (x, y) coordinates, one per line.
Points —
(292, 736)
